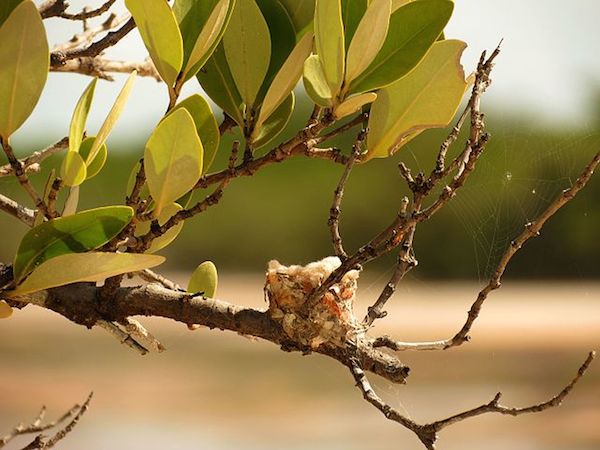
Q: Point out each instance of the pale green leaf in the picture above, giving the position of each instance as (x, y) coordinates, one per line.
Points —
(162, 241)
(73, 170)
(112, 118)
(427, 97)
(204, 279)
(275, 124)
(315, 83)
(218, 83)
(286, 79)
(247, 48)
(172, 159)
(5, 310)
(159, 31)
(71, 202)
(368, 39)
(96, 165)
(78, 233)
(412, 31)
(329, 39)
(208, 38)
(84, 267)
(80, 114)
(354, 103)
(24, 62)
(206, 126)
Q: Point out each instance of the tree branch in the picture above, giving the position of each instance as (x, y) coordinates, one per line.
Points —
(29, 163)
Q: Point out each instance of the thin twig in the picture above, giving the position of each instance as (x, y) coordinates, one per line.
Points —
(83, 15)
(36, 158)
(90, 33)
(122, 336)
(153, 277)
(25, 215)
(335, 211)
(60, 435)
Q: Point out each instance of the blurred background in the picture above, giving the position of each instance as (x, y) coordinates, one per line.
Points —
(216, 391)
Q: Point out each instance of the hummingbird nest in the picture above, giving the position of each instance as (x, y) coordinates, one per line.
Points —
(330, 320)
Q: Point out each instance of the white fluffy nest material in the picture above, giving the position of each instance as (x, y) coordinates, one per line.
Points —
(331, 320)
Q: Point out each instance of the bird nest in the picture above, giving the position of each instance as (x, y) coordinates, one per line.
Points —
(329, 320)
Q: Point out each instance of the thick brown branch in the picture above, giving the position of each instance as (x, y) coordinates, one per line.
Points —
(81, 304)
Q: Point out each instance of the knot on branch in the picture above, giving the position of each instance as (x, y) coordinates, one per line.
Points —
(330, 319)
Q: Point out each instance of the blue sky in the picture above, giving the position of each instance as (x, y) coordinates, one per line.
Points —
(549, 66)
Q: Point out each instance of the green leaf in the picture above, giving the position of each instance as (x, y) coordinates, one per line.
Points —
(80, 114)
(283, 40)
(286, 79)
(315, 83)
(352, 12)
(396, 4)
(368, 39)
(354, 103)
(427, 97)
(301, 12)
(71, 202)
(275, 124)
(329, 38)
(247, 48)
(96, 165)
(218, 83)
(112, 118)
(78, 233)
(6, 8)
(207, 40)
(204, 279)
(159, 31)
(206, 126)
(81, 267)
(162, 241)
(73, 170)
(24, 63)
(413, 29)
(172, 159)
(5, 310)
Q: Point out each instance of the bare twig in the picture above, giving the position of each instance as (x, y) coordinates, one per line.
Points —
(428, 433)
(122, 336)
(334, 211)
(153, 277)
(23, 179)
(37, 426)
(104, 68)
(90, 33)
(83, 15)
(35, 158)
(25, 215)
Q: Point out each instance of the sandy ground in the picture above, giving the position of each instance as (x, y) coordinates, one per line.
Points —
(214, 390)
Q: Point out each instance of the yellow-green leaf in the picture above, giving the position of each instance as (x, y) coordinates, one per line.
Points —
(396, 4)
(24, 62)
(208, 37)
(427, 97)
(353, 103)
(73, 170)
(161, 242)
(368, 38)
(247, 48)
(80, 267)
(96, 165)
(206, 126)
(5, 310)
(78, 233)
(112, 118)
(286, 79)
(204, 279)
(159, 30)
(172, 159)
(412, 31)
(315, 83)
(275, 124)
(80, 114)
(71, 202)
(329, 39)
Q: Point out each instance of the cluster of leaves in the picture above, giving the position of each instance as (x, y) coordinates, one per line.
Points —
(386, 57)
